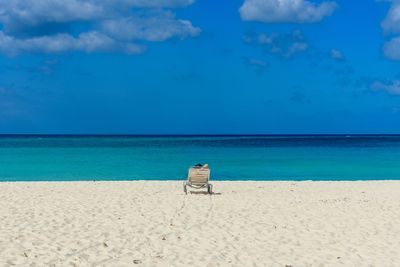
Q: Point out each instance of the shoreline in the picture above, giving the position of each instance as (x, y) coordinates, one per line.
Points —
(212, 181)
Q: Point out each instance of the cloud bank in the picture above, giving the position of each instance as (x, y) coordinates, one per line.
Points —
(391, 26)
(390, 87)
(285, 11)
(54, 26)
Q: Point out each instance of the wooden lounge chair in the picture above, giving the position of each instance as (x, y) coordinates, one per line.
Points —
(198, 178)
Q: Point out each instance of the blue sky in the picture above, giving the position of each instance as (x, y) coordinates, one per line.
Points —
(194, 67)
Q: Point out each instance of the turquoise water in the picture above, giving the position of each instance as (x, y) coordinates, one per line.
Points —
(32, 158)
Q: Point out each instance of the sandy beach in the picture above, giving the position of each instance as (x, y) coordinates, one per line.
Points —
(153, 223)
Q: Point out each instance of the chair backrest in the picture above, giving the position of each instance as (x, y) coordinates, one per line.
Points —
(198, 176)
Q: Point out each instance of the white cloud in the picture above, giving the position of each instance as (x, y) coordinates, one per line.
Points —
(264, 39)
(391, 49)
(390, 87)
(157, 3)
(391, 24)
(18, 14)
(336, 54)
(257, 62)
(286, 11)
(33, 12)
(86, 42)
(296, 48)
(259, 65)
(284, 45)
(53, 26)
(157, 27)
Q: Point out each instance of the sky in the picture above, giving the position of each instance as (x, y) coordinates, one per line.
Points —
(199, 67)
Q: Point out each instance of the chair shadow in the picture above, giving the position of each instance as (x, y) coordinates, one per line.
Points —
(203, 193)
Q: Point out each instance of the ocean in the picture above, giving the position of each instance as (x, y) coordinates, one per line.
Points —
(322, 157)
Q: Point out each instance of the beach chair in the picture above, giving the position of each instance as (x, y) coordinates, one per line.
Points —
(198, 178)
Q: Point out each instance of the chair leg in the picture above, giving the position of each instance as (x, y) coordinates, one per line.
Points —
(184, 188)
(209, 188)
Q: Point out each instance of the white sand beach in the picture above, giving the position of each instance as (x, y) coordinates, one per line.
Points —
(151, 223)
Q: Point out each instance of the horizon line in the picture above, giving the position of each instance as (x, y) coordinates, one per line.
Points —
(191, 135)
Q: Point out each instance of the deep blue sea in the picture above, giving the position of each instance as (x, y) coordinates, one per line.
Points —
(55, 158)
